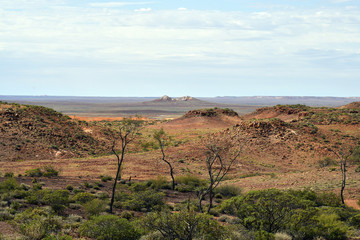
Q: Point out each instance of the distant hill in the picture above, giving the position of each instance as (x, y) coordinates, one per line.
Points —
(35, 132)
(308, 115)
(274, 100)
(185, 100)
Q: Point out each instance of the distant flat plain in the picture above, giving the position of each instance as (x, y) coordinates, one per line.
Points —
(146, 107)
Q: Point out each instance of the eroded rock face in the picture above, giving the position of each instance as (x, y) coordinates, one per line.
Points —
(184, 98)
(166, 98)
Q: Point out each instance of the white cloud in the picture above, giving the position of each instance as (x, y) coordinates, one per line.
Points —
(182, 9)
(250, 40)
(143, 10)
(117, 4)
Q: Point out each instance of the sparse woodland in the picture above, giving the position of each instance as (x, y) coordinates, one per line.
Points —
(194, 194)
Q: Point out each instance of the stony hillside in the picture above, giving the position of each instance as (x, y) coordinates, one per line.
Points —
(306, 114)
(205, 118)
(35, 132)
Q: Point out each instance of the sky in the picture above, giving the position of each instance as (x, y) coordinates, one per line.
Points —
(180, 47)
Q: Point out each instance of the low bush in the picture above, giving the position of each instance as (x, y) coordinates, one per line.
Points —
(94, 207)
(328, 199)
(57, 199)
(160, 183)
(144, 201)
(34, 172)
(8, 184)
(109, 227)
(50, 171)
(228, 190)
(188, 183)
(37, 223)
(106, 178)
(139, 187)
(9, 174)
(328, 161)
(181, 225)
(47, 171)
(83, 197)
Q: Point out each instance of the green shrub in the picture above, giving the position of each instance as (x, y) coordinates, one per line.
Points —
(5, 214)
(69, 187)
(37, 223)
(8, 184)
(20, 194)
(160, 183)
(121, 196)
(228, 190)
(50, 171)
(37, 196)
(188, 183)
(83, 197)
(328, 199)
(57, 199)
(180, 225)
(355, 221)
(328, 161)
(102, 195)
(330, 227)
(355, 156)
(139, 186)
(34, 172)
(106, 178)
(58, 237)
(270, 210)
(88, 185)
(109, 227)
(94, 207)
(127, 215)
(9, 174)
(145, 201)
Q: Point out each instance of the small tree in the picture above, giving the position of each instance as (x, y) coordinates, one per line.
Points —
(221, 152)
(163, 140)
(128, 131)
(342, 155)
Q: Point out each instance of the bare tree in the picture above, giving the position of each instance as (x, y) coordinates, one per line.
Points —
(163, 141)
(129, 129)
(221, 152)
(343, 155)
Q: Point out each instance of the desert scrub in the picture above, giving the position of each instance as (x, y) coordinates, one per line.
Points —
(83, 197)
(9, 174)
(37, 223)
(188, 183)
(228, 190)
(94, 207)
(46, 171)
(327, 161)
(145, 201)
(8, 184)
(57, 199)
(34, 172)
(105, 178)
(180, 225)
(160, 183)
(109, 227)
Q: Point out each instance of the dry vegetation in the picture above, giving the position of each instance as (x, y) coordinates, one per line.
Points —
(287, 148)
